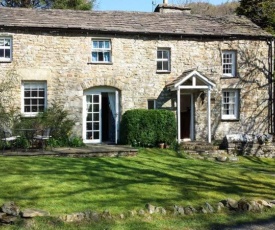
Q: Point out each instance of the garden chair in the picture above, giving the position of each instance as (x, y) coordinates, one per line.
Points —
(7, 138)
(43, 136)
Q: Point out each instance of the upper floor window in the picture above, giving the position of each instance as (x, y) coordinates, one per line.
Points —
(34, 98)
(230, 104)
(163, 60)
(101, 51)
(229, 63)
(5, 49)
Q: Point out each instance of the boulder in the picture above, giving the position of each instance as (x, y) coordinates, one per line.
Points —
(28, 213)
(10, 208)
(209, 208)
(220, 206)
(264, 203)
(221, 158)
(74, 217)
(150, 208)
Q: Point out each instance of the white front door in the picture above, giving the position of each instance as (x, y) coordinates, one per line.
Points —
(93, 118)
(101, 115)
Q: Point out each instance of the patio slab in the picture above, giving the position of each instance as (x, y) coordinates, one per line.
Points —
(101, 150)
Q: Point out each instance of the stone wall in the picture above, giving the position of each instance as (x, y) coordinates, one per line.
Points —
(62, 60)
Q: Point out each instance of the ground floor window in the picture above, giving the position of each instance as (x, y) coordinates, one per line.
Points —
(230, 104)
(151, 104)
(33, 98)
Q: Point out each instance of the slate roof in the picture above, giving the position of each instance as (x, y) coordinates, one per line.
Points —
(130, 22)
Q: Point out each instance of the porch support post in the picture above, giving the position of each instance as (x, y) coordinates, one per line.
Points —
(178, 113)
(209, 113)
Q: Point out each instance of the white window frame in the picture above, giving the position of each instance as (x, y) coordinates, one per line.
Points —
(162, 60)
(154, 103)
(33, 85)
(4, 47)
(230, 104)
(96, 49)
(229, 63)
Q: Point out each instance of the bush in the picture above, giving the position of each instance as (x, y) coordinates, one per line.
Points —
(56, 118)
(147, 127)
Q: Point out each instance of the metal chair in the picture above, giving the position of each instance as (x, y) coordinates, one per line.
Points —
(43, 136)
(7, 138)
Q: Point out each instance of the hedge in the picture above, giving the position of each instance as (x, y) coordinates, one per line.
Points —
(147, 127)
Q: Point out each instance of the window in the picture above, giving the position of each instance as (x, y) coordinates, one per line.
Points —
(163, 60)
(229, 63)
(151, 104)
(101, 51)
(34, 98)
(230, 104)
(5, 49)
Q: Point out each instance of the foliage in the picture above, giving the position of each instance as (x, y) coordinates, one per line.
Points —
(261, 12)
(58, 120)
(147, 127)
(54, 4)
(205, 8)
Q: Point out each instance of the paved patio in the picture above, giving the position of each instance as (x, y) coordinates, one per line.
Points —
(100, 150)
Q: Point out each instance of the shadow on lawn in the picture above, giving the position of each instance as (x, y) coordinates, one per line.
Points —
(160, 179)
(267, 224)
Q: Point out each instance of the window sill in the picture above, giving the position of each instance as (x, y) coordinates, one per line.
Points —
(100, 63)
(230, 120)
(163, 72)
(5, 61)
(228, 77)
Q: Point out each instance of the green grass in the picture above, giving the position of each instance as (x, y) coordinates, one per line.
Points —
(159, 177)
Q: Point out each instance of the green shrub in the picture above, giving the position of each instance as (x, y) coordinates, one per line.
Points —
(140, 127)
(56, 118)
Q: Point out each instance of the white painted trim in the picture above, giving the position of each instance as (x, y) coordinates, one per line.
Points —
(117, 117)
(179, 115)
(193, 87)
(209, 114)
(201, 77)
(192, 120)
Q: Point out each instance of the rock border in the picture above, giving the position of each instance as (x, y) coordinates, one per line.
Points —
(10, 212)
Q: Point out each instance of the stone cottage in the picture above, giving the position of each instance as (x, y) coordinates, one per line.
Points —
(214, 73)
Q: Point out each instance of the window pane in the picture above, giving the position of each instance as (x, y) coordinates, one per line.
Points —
(159, 65)
(159, 55)
(89, 117)
(94, 56)
(96, 108)
(7, 53)
(96, 98)
(107, 44)
(96, 116)
(1, 53)
(165, 54)
(165, 65)
(101, 44)
(100, 56)
(96, 126)
(95, 44)
(89, 126)
(89, 135)
(2, 41)
(96, 135)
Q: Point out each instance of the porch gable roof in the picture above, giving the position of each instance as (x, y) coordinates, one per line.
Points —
(195, 77)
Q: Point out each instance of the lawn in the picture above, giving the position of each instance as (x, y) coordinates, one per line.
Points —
(160, 177)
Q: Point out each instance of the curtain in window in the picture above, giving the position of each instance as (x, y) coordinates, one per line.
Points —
(107, 56)
(94, 56)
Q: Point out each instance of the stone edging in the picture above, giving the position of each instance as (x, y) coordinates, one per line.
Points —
(10, 212)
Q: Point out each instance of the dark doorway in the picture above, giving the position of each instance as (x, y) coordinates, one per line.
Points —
(185, 115)
(105, 113)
